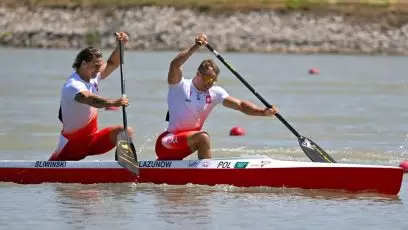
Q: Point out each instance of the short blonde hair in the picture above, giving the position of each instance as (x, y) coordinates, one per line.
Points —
(208, 67)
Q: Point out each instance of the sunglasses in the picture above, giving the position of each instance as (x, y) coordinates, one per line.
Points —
(209, 80)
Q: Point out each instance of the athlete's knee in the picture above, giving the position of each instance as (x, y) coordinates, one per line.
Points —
(203, 137)
(115, 130)
(129, 130)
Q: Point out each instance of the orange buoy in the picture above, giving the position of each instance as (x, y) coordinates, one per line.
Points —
(404, 165)
(314, 71)
(111, 108)
(237, 131)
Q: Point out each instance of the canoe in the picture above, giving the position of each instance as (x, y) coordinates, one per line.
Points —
(238, 171)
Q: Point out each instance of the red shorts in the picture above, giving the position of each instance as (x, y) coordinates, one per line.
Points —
(77, 147)
(171, 146)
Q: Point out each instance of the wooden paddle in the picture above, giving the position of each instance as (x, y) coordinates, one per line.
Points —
(312, 150)
(125, 149)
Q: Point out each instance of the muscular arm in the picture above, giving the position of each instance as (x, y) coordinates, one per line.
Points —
(175, 73)
(243, 106)
(111, 64)
(114, 59)
(93, 100)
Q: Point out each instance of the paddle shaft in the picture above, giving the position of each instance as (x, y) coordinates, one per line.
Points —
(252, 90)
(122, 82)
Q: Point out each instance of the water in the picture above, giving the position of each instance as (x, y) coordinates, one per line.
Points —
(355, 110)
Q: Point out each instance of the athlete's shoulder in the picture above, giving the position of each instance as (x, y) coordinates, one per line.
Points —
(73, 78)
(219, 92)
(218, 89)
(74, 81)
(182, 82)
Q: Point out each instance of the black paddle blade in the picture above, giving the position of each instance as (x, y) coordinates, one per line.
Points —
(126, 153)
(314, 152)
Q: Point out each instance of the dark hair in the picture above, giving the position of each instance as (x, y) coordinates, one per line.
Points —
(86, 55)
(209, 67)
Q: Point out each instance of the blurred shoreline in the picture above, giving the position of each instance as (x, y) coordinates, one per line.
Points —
(169, 28)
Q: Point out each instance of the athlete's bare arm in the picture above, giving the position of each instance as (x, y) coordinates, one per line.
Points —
(114, 59)
(175, 73)
(86, 97)
(248, 107)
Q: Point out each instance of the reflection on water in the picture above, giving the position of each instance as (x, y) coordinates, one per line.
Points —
(182, 205)
(68, 206)
(193, 194)
(189, 195)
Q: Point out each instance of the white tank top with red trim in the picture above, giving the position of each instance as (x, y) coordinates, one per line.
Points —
(189, 107)
(76, 115)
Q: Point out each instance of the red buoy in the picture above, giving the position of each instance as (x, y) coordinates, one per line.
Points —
(314, 71)
(237, 131)
(112, 108)
(404, 165)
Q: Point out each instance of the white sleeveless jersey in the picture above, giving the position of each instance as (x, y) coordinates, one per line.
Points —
(77, 115)
(188, 107)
